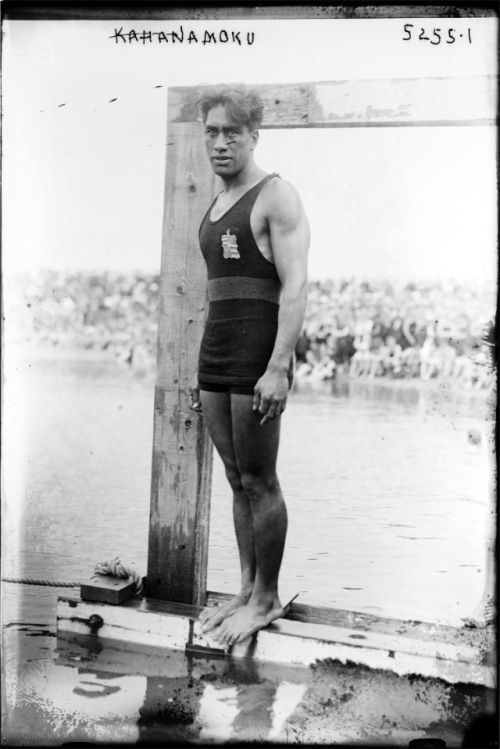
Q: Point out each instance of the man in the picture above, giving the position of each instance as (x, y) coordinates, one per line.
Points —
(254, 239)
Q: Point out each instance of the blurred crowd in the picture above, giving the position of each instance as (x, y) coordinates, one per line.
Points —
(361, 329)
(111, 312)
(416, 330)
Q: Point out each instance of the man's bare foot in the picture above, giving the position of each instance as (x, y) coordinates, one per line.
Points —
(212, 616)
(243, 622)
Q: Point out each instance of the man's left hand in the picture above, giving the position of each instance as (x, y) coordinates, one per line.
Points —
(270, 394)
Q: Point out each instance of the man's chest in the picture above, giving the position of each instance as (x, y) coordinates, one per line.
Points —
(232, 233)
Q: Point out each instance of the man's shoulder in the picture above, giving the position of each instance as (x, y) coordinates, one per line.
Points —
(277, 188)
(279, 196)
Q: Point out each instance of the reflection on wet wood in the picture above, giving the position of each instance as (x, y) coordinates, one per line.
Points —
(304, 644)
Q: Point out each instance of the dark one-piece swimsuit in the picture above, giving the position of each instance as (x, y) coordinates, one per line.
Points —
(244, 294)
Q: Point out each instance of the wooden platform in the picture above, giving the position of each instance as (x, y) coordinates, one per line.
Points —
(425, 650)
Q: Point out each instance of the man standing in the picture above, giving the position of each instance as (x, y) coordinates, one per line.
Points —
(254, 239)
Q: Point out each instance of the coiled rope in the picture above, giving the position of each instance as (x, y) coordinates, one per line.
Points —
(115, 568)
(112, 568)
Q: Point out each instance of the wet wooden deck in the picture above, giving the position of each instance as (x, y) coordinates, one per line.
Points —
(454, 655)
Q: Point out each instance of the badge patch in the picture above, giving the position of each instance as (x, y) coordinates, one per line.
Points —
(229, 246)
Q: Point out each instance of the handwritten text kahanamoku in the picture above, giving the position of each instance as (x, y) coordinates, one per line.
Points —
(183, 36)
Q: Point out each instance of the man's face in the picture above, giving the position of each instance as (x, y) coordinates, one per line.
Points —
(229, 145)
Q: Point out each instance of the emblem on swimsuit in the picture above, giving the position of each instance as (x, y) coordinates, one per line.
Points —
(229, 246)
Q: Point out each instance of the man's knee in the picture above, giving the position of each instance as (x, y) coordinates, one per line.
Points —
(257, 485)
(234, 477)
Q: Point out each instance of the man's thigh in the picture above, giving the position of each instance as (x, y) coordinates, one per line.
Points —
(216, 409)
(255, 446)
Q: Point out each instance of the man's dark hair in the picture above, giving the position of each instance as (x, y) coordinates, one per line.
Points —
(244, 106)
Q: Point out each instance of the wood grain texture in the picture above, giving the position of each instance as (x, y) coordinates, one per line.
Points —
(181, 466)
(107, 590)
(363, 103)
(359, 621)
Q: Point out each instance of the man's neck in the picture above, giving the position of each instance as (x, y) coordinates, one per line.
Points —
(250, 173)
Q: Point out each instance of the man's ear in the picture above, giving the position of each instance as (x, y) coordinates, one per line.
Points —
(255, 138)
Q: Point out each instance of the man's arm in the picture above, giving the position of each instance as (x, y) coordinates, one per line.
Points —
(289, 235)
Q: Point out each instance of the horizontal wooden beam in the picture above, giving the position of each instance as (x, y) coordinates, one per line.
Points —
(176, 627)
(465, 100)
(386, 123)
(361, 621)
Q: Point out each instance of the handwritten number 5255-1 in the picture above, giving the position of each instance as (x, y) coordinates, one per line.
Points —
(449, 36)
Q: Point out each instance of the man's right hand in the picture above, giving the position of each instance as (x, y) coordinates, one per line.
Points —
(194, 395)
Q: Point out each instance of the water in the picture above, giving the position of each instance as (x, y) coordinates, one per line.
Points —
(389, 509)
(389, 504)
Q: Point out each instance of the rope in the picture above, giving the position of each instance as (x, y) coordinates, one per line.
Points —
(38, 581)
(112, 568)
(115, 568)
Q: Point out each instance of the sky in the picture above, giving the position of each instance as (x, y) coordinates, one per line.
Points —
(83, 183)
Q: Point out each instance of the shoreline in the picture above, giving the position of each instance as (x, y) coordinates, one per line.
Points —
(23, 351)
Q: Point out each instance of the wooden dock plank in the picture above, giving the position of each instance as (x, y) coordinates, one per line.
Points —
(176, 627)
(128, 623)
(360, 621)
(280, 644)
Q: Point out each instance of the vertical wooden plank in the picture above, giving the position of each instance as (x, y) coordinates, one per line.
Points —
(181, 470)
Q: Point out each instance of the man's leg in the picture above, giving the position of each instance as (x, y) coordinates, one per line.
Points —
(256, 450)
(217, 415)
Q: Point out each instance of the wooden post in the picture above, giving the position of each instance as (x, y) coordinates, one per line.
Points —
(181, 470)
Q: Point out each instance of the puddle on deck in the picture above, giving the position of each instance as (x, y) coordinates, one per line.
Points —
(83, 689)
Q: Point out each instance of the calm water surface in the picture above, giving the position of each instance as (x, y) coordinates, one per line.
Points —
(389, 504)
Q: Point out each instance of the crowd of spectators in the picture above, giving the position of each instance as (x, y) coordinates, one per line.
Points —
(356, 328)
(111, 312)
(416, 330)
